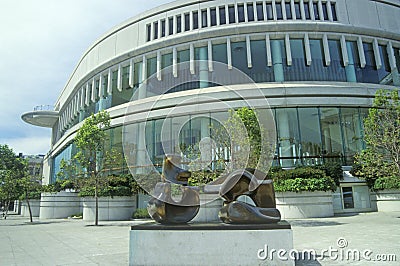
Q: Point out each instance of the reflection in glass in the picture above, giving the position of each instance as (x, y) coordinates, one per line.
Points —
(310, 148)
(331, 134)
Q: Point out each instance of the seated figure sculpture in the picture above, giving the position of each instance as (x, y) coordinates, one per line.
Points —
(162, 207)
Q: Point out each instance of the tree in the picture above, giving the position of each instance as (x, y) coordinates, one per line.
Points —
(30, 185)
(251, 144)
(12, 169)
(379, 164)
(90, 141)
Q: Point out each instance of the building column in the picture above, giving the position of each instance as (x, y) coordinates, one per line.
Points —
(203, 67)
(277, 61)
(350, 68)
(142, 86)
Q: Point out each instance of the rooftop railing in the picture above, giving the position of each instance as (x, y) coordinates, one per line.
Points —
(44, 108)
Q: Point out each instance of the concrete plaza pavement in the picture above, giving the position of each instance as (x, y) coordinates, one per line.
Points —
(76, 242)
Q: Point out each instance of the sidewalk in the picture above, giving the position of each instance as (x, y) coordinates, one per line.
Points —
(75, 242)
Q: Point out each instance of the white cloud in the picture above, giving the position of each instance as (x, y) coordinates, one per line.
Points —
(28, 145)
(40, 44)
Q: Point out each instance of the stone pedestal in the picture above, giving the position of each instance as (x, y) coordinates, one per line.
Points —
(211, 244)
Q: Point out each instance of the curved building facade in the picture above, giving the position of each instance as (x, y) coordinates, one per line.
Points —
(317, 62)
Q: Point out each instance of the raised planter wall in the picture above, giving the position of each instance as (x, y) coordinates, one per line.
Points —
(209, 208)
(110, 209)
(35, 208)
(300, 205)
(387, 200)
(59, 205)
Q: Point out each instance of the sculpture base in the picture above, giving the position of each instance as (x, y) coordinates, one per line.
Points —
(211, 244)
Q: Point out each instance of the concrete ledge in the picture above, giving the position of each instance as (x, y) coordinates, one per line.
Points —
(59, 205)
(110, 209)
(35, 208)
(209, 244)
(294, 205)
(387, 200)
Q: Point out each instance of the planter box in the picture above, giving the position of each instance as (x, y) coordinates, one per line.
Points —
(35, 208)
(209, 208)
(59, 205)
(387, 200)
(110, 209)
(294, 205)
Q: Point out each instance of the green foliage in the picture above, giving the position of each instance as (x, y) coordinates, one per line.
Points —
(302, 179)
(140, 214)
(120, 185)
(200, 178)
(332, 169)
(379, 164)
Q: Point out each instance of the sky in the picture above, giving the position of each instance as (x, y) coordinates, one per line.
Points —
(41, 42)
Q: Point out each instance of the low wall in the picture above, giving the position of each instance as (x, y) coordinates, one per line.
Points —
(387, 200)
(59, 205)
(35, 208)
(300, 205)
(110, 209)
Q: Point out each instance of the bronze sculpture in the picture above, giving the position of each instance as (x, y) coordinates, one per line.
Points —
(162, 207)
(249, 182)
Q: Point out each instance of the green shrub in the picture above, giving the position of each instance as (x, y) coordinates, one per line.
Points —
(390, 182)
(200, 178)
(141, 214)
(302, 179)
(332, 169)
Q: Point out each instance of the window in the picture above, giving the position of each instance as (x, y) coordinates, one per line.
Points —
(260, 12)
(195, 20)
(316, 13)
(156, 30)
(148, 32)
(204, 22)
(385, 69)
(220, 53)
(213, 13)
(250, 12)
(231, 10)
(297, 71)
(270, 15)
(151, 66)
(260, 72)
(288, 136)
(279, 14)
(241, 13)
(297, 10)
(187, 22)
(310, 137)
(331, 134)
(336, 69)
(325, 11)
(334, 14)
(288, 11)
(166, 60)
(170, 26)
(318, 70)
(178, 24)
(307, 10)
(162, 28)
(125, 77)
(222, 15)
